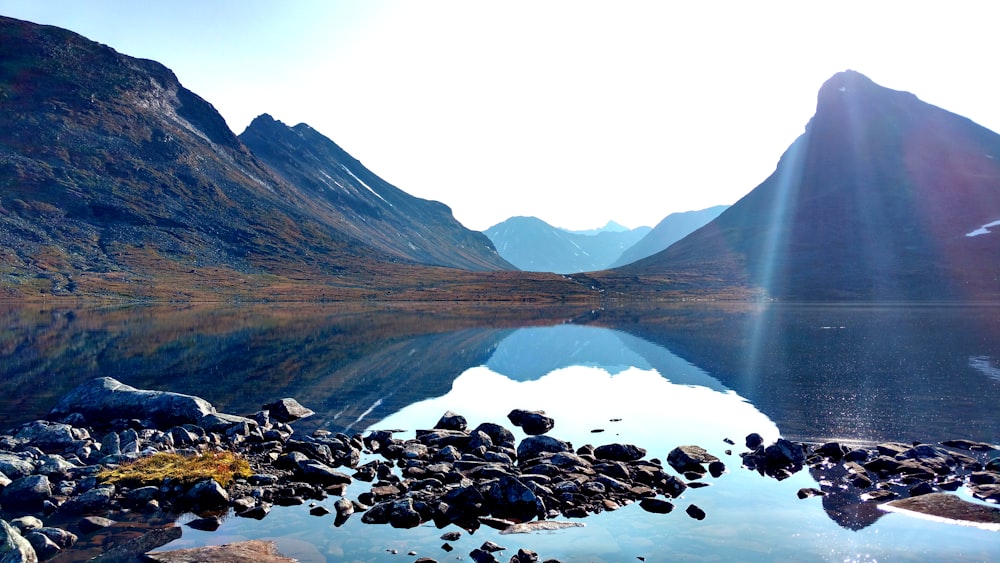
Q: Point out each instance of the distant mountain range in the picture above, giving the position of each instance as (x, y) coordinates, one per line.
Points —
(535, 246)
(884, 197)
(671, 229)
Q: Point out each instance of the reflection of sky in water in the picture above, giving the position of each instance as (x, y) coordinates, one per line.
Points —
(662, 402)
(655, 413)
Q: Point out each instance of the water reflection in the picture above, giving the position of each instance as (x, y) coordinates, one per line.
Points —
(674, 375)
(866, 373)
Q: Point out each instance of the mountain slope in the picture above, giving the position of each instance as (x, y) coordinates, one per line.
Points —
(347, 194)
(535, 246)
(117, 180)
(671, 229)
(874, 201)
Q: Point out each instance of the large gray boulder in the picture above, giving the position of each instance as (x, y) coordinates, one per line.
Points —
(13, 547)
(104, 399)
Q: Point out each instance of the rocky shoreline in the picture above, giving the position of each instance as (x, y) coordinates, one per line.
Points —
(53, 493)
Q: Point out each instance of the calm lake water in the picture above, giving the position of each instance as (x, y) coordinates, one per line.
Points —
(686, 374)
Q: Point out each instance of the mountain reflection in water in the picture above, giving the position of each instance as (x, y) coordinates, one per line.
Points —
(691, 374)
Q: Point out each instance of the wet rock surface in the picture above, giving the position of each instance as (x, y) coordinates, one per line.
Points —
(449, 475)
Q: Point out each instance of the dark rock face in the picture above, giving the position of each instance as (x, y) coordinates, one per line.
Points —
(105, 398)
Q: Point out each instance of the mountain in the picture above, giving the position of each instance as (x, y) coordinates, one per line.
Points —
(611, 226)
(347, 194)
(117, 181)
(884, 197)
(671, 229)
(535, 246)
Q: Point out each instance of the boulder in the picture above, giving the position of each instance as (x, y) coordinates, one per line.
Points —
(452, 421)
(619, 452)
(45, 435)
(533, 446)
(685, 459)
(656, 505)
(260, 551)
(533, 423)
(501, 436)
(15, 466)
(63, 538)
(24, 524)
(508, 497)
(105, 399)
(784, 454)
(287, 410)
(208, 494)
(317, 472)
(13, 547)
(944, 505)
(221, 422)
(91, 502)
(91, 524)
(44, 547)
(26, 493)
(694, 511)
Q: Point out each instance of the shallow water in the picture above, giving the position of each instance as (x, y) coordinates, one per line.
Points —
(658, 379)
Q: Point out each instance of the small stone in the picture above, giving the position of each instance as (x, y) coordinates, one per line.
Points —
(656, 505)
(91, 524)
(207, 524)
(480, 556)
(319, 511)
(695, 512)
(805, 493)
(491, 547)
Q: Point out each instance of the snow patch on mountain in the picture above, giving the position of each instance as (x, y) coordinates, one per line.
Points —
(362, 182)
(984, 230)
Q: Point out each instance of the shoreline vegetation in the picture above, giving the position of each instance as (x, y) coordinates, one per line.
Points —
(74, 479)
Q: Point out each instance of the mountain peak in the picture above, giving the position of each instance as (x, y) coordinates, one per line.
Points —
(872, 202)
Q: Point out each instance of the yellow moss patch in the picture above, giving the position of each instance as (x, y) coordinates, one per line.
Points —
(224, 467)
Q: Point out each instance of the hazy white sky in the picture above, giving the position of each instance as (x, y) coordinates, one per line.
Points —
(576, 112)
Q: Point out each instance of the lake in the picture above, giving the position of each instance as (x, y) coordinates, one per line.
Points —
(658, 378)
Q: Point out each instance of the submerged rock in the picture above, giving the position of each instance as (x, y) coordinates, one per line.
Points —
(259, 551)
(949, 507)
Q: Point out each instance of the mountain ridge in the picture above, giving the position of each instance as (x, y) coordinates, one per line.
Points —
(872, 202)
(118, 182)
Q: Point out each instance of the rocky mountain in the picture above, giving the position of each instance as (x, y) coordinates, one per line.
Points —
(117, 180)
(671, 229)
(348, 195)
(884, 197)
(535, 246)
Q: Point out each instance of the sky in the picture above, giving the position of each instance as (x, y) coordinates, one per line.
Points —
(576, 112)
